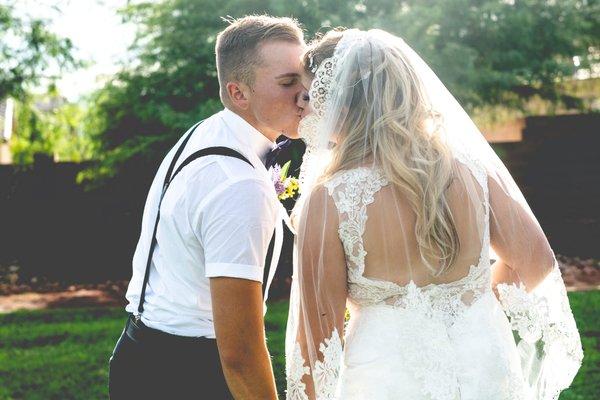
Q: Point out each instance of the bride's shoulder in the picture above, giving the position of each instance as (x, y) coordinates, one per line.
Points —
(355, 176)
(311, 203)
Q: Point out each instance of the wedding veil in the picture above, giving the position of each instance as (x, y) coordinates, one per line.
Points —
(396, 168)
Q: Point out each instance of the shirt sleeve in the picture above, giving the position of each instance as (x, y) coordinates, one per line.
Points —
(235, 229)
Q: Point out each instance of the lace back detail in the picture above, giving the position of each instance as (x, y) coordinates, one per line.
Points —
(352, 191)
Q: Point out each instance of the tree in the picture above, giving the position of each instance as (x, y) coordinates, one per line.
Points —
(494, 51)
(48, 124)
(28, 50)
(487, 52)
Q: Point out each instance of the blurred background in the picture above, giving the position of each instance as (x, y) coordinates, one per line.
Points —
(94, 93)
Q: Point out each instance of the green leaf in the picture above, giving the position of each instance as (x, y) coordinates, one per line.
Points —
(284, 169)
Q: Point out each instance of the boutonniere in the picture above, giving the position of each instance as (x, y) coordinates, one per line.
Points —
(285, 186)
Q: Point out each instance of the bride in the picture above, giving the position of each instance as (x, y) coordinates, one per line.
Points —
(420, 271)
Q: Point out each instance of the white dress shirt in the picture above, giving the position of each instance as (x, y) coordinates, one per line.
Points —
(216, 219)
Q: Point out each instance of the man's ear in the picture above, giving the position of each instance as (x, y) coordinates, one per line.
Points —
(238, 94)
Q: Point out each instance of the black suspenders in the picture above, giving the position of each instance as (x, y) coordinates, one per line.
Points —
(221, 151)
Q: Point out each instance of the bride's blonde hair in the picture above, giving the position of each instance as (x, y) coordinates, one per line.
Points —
(403, 140)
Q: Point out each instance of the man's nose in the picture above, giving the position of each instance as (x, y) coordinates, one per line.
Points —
(302, 99)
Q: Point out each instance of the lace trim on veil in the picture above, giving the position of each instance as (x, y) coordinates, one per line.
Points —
(545, 333)
(325, 373)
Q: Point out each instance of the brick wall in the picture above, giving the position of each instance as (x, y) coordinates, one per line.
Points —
(557, 165)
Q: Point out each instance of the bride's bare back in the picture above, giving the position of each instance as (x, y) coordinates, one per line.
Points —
(391, 243)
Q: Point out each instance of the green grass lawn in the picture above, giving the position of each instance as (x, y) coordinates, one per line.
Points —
(63, 354)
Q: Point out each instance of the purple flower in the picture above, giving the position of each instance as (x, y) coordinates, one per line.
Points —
(276, 178)
(279, 187)
(285, 186)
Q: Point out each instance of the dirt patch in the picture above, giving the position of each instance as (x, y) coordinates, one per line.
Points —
(68, 299)
(580, 274)
(42, 294)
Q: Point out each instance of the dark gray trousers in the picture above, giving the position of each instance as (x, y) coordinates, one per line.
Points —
(151, 364)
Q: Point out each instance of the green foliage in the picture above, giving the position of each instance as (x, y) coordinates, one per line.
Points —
(48, 125)
(487, 52)
(586, 384)
(28, 50)
(495, 52)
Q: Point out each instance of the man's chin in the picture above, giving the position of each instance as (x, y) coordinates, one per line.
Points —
(291, 132)
(291, 135)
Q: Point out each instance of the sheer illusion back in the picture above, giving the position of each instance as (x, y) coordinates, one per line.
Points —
(377, 229)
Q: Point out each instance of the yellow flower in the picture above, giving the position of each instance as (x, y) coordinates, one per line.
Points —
(291, 187)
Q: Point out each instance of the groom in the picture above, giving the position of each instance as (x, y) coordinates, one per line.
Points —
(196, 326)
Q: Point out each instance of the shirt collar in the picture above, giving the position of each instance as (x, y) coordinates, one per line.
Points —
(247, 134)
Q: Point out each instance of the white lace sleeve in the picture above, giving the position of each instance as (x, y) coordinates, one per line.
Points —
(532, 292)
(545, 332)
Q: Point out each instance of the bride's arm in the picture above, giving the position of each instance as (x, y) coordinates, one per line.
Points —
(518, 240)
(322, 288)
(540, 316)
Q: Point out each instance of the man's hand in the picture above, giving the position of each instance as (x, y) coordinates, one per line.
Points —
(237, 306)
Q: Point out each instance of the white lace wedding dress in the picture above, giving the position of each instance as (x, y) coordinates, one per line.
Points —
(437, 341)
(409, 342)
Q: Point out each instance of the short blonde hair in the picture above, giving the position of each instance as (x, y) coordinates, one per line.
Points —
(237, 46)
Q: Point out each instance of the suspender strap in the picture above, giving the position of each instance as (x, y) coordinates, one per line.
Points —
(221, 151)
(178, 153)
(268, 264)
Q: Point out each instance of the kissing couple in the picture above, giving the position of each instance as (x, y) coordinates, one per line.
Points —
(420, 272)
